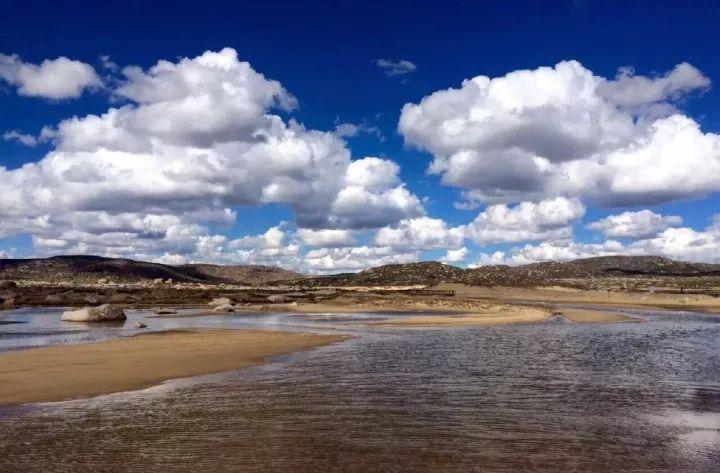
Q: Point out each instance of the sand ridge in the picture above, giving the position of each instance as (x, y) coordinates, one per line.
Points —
(76, 371)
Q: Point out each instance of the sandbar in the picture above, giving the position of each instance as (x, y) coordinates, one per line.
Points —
(496, 316)
(77, 371)
(593, 316)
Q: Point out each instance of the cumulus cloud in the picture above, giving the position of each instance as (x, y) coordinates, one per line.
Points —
(455, 256)
(325, 260)
(630, 90)
(640, 224)
(327, 238)
(23, 138)
(563, 131)
(373, 196)
(682, 243)
(274, 238)
(559, 250)
(395, 68)
(191, 140)
(420, 234)
(57, 79)
(677, 243)
(548, 219)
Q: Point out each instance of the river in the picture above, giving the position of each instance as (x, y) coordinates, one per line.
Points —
(557, 397)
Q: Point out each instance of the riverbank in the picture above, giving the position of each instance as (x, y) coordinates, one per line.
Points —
(85, 370)
(566, 295)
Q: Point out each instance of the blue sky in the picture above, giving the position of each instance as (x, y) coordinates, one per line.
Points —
(326, 56)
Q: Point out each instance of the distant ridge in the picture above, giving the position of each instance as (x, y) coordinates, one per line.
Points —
(89, 269)
(432, 272)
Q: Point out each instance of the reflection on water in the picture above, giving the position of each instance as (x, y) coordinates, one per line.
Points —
(544, 397)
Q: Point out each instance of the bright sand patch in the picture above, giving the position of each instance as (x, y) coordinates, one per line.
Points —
(591, 297)
(500, 315)
(85, 370)
(593, 316)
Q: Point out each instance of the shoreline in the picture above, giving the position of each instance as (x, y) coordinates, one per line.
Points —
(66, 372)
(473, 312)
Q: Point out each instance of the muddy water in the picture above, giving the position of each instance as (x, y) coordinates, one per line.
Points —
(545, 397)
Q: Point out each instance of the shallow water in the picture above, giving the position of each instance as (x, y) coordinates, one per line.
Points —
(543, 397)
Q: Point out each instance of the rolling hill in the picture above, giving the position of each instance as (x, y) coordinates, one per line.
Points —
(90, 269)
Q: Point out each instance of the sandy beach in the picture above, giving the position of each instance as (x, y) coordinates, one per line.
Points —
(77, 371)
(495, 316)
(593, 316)
(505, 314)
(566, 295)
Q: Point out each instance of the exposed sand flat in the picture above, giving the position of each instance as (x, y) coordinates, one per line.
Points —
(594, 297)
(501, 315)
(593, 316)
(76, 371)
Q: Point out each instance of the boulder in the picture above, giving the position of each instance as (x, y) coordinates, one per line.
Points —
(278, 299)
(164, 310)
(101, 313)
(219, 301)
(54, 298)
(4, 285)
(225, 308)
(121, 298)
(94, 299)
(139, 325)
(158, 281)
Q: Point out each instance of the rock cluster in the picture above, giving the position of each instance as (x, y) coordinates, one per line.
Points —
(101, 313)
(221, 305)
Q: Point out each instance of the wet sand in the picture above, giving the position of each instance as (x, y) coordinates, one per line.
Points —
(77, 371)
(593, 316)
(495, 316)
(563, 295)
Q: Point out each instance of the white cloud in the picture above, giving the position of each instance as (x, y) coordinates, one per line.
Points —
(488, 259)
(422, 233)
(564, 131)
(683, 243)
(548, 219)
(630, 90)
(373, 196)
(552, 251)
(455, 256)
(395, 68)
(195, 138)
(273, 238)
(327, 238)
(356, 258)
(640, 224)
(351, 130)
(23, 138)
(60, 78)
(673, 160)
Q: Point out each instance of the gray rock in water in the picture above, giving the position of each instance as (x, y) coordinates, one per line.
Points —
(139, 325)
(94, 299)
(224, 308)
(164, 310)
(102, 313)
(54, 298)
(219, 301)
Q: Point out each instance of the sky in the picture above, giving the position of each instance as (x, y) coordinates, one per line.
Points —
(335, 136)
